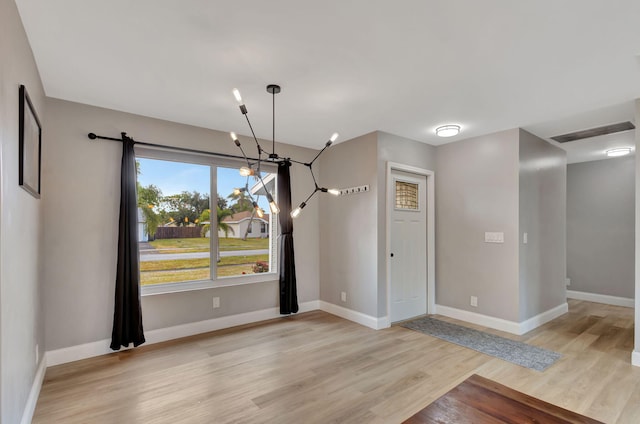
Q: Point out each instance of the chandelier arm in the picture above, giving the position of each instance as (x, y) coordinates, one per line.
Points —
(320, 152)
(295, 161)
(244, 155)
(312, 194)
(246, 189)
(310, 165)
(263, 185)
(254, 137)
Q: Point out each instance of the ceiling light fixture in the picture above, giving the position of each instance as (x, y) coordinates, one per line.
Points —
(253, 169)
(448, 130)
(620, 151)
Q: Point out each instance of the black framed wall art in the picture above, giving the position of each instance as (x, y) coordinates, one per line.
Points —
(30, 145)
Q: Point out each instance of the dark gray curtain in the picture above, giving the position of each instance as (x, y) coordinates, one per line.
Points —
(288, 291)
(127, 315)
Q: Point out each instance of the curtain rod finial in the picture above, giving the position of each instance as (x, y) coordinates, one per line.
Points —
(92, 136)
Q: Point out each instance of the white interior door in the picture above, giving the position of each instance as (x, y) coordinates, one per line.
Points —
(408, 244)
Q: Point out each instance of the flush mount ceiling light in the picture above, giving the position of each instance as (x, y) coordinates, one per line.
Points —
(253, 169)
(448, 130)
(620, 151)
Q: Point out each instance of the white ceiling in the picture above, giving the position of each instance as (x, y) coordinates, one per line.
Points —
(352, 66)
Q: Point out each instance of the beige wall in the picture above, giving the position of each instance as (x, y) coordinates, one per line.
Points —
(542, 215)
(21, 322)
(348, 238)
(82, 180)
(601, 226)
(477, 191)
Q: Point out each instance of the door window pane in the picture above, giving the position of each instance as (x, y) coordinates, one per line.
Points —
(406, 195)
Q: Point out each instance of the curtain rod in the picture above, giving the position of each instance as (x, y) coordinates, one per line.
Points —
(93, 136)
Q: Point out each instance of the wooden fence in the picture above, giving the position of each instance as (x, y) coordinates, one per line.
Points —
(178, 232)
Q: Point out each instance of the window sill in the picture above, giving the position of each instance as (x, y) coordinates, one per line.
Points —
(155, 289)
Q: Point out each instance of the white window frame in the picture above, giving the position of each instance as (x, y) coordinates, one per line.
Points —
(213, 162)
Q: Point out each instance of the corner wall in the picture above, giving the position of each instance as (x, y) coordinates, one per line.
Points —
(542, 216)
(477, 192)
(81, 178)
(21, 321)
(348, 238)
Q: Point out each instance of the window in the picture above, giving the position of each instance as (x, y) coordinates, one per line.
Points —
(406, 195)
(183, 244)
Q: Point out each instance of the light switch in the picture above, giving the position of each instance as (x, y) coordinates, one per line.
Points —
(494, 237)
(524, 238)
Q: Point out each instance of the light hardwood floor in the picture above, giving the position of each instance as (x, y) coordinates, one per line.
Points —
(317, 368)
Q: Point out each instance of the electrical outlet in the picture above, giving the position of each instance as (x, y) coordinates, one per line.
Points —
(216, 302)
(343, 296)
(474, 301)
(568, 281)
(525, 238)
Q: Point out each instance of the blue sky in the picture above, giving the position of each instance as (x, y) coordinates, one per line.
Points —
(176, 177)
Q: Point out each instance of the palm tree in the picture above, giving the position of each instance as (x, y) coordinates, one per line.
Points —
(242, 201)
(222, 214)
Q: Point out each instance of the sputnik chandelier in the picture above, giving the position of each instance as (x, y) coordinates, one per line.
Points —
(253, 169)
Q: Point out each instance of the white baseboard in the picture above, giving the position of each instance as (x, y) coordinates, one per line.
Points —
(635, 358)
(101, 347)
(543, 318)
(358, 317)
(500, 324)
(30, 407)
(601, 298)
(480, 319)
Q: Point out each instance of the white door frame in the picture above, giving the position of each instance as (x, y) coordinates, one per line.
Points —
(431, 239)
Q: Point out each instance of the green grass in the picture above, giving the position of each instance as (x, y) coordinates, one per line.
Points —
(183, 270)
(201, 244)
(159, 277)
(199, 263)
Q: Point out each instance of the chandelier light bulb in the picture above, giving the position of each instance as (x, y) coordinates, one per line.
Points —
(274, 207)
(296, 211)
(236, 94)
(272, 204)
(236, 191)
(448, 130)
(234, 137)
(334, 191)
(258, 209)
(334, 137)
(245, 171)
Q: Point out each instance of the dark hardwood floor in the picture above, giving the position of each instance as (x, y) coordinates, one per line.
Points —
(479, 400)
